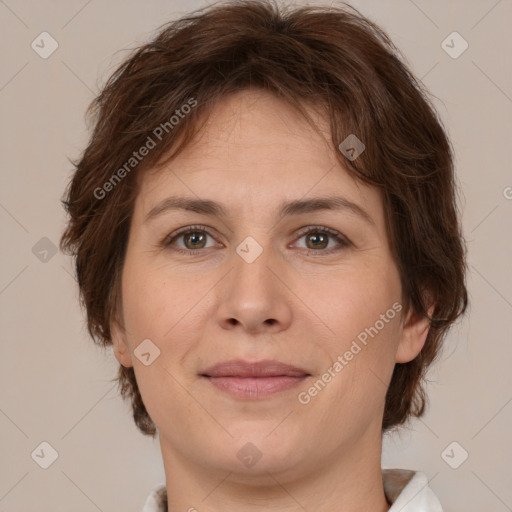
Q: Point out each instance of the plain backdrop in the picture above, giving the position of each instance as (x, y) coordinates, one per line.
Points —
(55, 384)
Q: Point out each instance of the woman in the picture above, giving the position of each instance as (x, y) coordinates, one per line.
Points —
(265, 230)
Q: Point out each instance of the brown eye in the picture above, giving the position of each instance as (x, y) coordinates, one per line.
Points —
(194, 240)
(317, 240)
(189, 240)
(321, 240)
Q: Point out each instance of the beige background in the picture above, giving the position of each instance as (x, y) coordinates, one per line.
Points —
(55, 384)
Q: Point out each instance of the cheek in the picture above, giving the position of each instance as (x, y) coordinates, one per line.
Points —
(154, 303)
(171, 312)
(350, 302)
(159, 309)
(362, 365)
(362, 311)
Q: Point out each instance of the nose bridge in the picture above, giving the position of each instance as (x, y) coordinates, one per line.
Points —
(251, 278)
(253, 297)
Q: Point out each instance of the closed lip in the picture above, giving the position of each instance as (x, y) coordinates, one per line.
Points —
(266, 368)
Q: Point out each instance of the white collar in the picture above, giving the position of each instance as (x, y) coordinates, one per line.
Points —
(406, 490)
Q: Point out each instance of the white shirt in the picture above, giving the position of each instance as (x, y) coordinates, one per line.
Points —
(406, 490)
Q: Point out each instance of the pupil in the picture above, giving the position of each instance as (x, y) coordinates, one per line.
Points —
(319, 237)
(195, 237)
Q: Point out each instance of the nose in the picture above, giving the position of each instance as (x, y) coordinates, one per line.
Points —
(254, 296)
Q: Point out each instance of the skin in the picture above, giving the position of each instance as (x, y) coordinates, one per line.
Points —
(204, 308)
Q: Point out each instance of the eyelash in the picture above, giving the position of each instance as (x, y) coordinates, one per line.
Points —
(344, 243)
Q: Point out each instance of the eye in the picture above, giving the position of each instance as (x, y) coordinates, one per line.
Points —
(193, 238)
(318, 238)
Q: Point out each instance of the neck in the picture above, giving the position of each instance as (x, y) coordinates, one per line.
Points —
(349, 479)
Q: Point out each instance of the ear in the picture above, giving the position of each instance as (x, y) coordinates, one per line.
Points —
(120, 344)
(414, 334)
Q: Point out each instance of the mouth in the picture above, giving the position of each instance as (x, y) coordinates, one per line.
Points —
(254, 380)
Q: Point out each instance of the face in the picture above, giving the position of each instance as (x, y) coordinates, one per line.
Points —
(247, 268)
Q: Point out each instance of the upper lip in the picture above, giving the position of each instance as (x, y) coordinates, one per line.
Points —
(265, 368)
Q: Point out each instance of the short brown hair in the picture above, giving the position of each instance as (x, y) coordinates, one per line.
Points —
(332, 57)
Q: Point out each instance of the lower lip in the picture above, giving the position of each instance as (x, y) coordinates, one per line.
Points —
(255, 387)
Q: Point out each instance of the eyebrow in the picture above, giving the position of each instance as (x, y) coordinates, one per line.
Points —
(296, 207)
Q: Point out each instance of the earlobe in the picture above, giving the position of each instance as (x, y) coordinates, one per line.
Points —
(120, 345)
(414, 334)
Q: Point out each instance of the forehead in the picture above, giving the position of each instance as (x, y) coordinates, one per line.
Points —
(255, 149)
